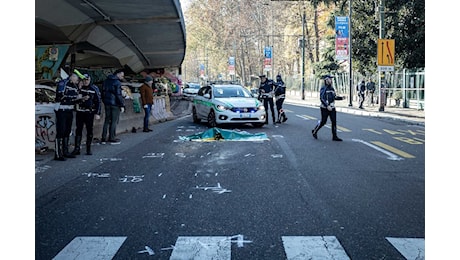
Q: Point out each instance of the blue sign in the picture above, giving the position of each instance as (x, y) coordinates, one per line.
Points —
(268, 52)
(341, 26)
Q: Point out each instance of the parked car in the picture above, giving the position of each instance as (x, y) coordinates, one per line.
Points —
(45, 98)
(227, 104)
(190, 90)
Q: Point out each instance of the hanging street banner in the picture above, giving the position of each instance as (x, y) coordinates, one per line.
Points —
(342, 45)
(231, 65)
(386, 54)
(268, 58)
(201, 70)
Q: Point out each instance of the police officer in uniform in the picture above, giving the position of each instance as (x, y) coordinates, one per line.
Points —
(280, 95)
(66, 98)
(327, 97)
(88, 108)
(266, 91)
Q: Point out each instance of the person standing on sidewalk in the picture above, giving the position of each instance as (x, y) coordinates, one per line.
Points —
(361, 89)
(327, 97)
(266, 91)
(66, 97)
(114, 104)
(280, 95)
(87, 109)
(370, 86)
(146, 92)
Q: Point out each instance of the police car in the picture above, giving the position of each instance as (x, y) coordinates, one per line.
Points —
(222, 103)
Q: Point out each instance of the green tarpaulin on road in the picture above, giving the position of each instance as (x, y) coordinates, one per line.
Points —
(214, 134)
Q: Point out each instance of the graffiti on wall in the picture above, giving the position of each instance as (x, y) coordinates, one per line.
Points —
(45, 129)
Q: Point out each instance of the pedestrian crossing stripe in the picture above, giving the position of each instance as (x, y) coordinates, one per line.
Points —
(313, 247)
(219, 247)
(410, 248)
(83, 248)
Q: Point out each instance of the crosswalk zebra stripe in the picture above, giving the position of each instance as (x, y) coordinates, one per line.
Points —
(82, 248)
(410, 248)
(313, 247)
(202, 247)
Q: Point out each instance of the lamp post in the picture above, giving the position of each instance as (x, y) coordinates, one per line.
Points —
(303, 55)
(349, 56)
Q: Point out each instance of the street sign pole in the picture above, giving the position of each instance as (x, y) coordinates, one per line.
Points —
(349, 56)
(381, 36)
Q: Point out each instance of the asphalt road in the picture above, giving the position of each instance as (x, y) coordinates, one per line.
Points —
(157, 196)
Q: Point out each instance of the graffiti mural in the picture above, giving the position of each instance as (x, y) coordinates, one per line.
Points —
(45, 129)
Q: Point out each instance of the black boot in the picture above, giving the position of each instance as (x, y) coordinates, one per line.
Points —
(65, 148)
(76, 150)
(58, 154)
(89, 139)
(284, 117)
(334, 134)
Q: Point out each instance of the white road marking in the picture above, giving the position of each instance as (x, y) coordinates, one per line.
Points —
(217, 248)
(82, 248)
(410, 248)
(313, 247)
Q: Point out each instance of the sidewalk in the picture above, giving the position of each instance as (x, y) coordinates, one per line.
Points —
(407, 114)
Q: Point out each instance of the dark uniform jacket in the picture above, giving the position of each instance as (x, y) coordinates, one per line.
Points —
(327, 96)
(93, 103)
(66, 94)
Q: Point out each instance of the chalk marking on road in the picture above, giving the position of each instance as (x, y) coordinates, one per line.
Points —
(202, 247)
(313, 247)
(394, 150)
(81, 248)
(410, 248)
(110, 159)
(182, 155)
(147, 250)
(218, 189)
(153, 155)
(95, 174)
(306, 117)
(391, 156)
(277, 156)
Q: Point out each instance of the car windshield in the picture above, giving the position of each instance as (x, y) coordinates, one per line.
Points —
(230, 91)
(195, 86)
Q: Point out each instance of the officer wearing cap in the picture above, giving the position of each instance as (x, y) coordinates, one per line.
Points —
(88, 108)
(327, 97)
(66, 97)
(266, 92)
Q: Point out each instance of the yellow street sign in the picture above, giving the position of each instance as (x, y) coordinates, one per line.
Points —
(386, 52)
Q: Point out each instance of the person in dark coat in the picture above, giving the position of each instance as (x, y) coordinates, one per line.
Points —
(327, 97)
(280, 95)
(87, 109)
(114, 104)
(66, 98)
(266, 91)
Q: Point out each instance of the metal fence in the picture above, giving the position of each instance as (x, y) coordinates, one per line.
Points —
(404, 88)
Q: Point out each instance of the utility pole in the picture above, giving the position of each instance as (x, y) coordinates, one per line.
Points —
(349, 56)
(381, 36)
(303, 55)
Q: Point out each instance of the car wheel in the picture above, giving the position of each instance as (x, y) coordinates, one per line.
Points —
(195, 116)
(258, 125)
(212, 119)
